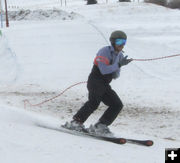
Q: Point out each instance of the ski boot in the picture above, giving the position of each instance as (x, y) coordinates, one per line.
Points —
(75, 125)
(100, 129)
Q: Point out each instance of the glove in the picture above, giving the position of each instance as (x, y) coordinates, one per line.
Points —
(124, 61)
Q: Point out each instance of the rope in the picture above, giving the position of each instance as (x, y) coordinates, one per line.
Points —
(27, 101)
(151, 59)
(99, 31)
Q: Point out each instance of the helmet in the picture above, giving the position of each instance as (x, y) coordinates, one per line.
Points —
(117, 34)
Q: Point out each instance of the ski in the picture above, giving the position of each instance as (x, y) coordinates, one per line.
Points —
(110, 139)
(100, 137)
(140, 142)
(85, 133)
(117, 140)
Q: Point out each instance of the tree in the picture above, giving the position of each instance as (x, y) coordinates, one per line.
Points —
(158, 2)
(90, 2)
(124, 0)
(174, 4)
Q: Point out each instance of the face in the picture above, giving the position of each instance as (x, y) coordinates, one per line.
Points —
(118, 48)
(119, 44)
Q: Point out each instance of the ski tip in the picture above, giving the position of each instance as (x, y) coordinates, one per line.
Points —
(122, 141)
(149, 142)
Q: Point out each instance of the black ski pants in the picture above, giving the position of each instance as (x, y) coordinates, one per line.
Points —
(99, 91)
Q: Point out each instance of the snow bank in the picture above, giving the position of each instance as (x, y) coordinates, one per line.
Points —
(41, 14)
(9, 68)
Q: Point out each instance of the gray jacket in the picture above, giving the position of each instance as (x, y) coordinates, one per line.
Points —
(107, 61)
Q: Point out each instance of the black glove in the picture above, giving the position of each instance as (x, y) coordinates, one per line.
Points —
(124, 61)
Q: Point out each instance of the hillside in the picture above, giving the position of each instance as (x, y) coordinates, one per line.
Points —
(42, 56)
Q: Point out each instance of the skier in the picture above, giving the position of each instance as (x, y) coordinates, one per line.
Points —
(107, 65)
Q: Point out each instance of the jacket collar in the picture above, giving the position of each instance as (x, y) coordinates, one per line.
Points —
(113, 50)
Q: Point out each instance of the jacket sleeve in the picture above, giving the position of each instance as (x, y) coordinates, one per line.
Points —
(106, 67)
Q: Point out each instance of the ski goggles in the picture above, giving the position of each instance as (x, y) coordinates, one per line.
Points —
(120, 42)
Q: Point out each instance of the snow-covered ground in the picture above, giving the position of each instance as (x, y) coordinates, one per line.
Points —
(52, 47)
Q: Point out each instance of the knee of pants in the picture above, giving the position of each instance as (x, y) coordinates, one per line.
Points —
(91, 107)
(118, 106)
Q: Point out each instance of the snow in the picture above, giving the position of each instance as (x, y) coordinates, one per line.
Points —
(23, 141)
(40, 56)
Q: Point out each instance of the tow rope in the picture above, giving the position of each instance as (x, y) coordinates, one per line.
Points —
(34, 105)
